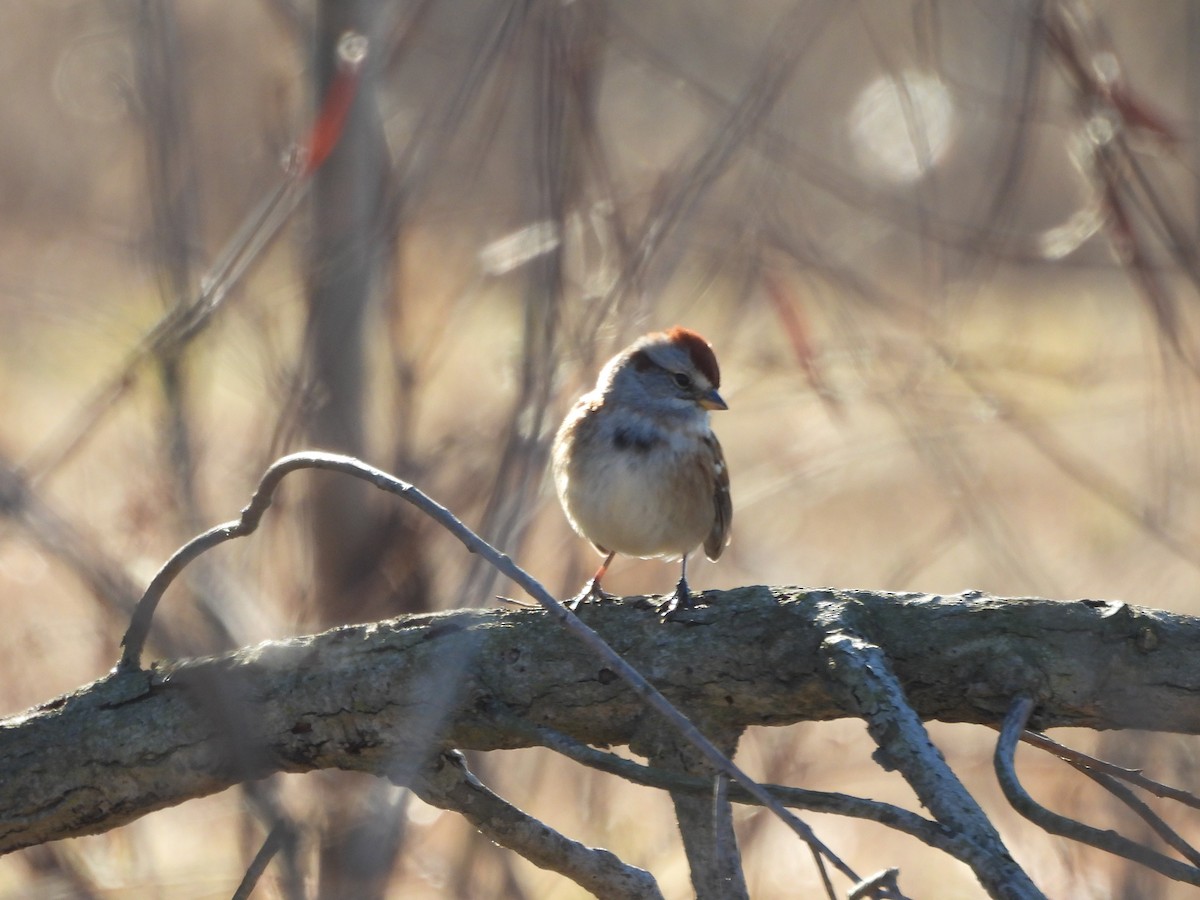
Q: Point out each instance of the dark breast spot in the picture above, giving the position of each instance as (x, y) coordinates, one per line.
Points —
(628, 439)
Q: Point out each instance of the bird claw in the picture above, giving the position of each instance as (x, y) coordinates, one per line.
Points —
(591, 591)
(678, 601)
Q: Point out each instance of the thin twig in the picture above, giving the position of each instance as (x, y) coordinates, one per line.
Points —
(795, 31)
(1157, 824)
(720, 810)
(185, 320)
(262, 801)
(828, 884)
(1109, 777)
(897, 818)
(139, 627)
(972, 373)
(1022, 802)
(1135, 777)
(873, 883)
(179, 325)
(271, 845)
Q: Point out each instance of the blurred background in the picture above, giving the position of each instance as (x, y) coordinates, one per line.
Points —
(945, 252)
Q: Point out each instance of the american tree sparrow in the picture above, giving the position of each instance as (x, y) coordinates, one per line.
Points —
(637, 467)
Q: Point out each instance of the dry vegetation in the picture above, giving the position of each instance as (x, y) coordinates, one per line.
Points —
(933, 385)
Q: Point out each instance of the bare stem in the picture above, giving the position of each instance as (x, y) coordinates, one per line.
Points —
(1006, 746)
(1083, 761)
(139, 627)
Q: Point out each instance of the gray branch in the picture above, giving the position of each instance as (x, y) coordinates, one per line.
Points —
(609, 659)
(448, 784)
(863, 671)
(362, 697)
(705, 819)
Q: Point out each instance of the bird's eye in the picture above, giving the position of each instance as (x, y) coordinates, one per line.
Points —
(682, 380)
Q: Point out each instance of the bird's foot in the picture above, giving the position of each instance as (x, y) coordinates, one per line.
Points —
(678, 601)
(591, 591)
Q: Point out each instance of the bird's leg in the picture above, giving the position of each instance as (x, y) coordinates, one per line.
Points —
(592, 590)
(681, 598)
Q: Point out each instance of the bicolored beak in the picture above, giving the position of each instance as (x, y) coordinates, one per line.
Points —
(712, 400)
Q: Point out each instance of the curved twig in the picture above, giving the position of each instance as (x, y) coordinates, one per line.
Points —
(135, 637)
(1022, 802)
(1110, 776)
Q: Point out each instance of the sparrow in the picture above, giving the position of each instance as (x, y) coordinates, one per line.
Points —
(637, 466)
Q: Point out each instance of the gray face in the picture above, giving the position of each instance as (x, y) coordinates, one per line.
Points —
(661, 377)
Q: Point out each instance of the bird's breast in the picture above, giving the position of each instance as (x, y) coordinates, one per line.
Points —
(639, 495)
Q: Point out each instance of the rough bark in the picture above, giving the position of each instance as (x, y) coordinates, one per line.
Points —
(385, 697)
(870, 686)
